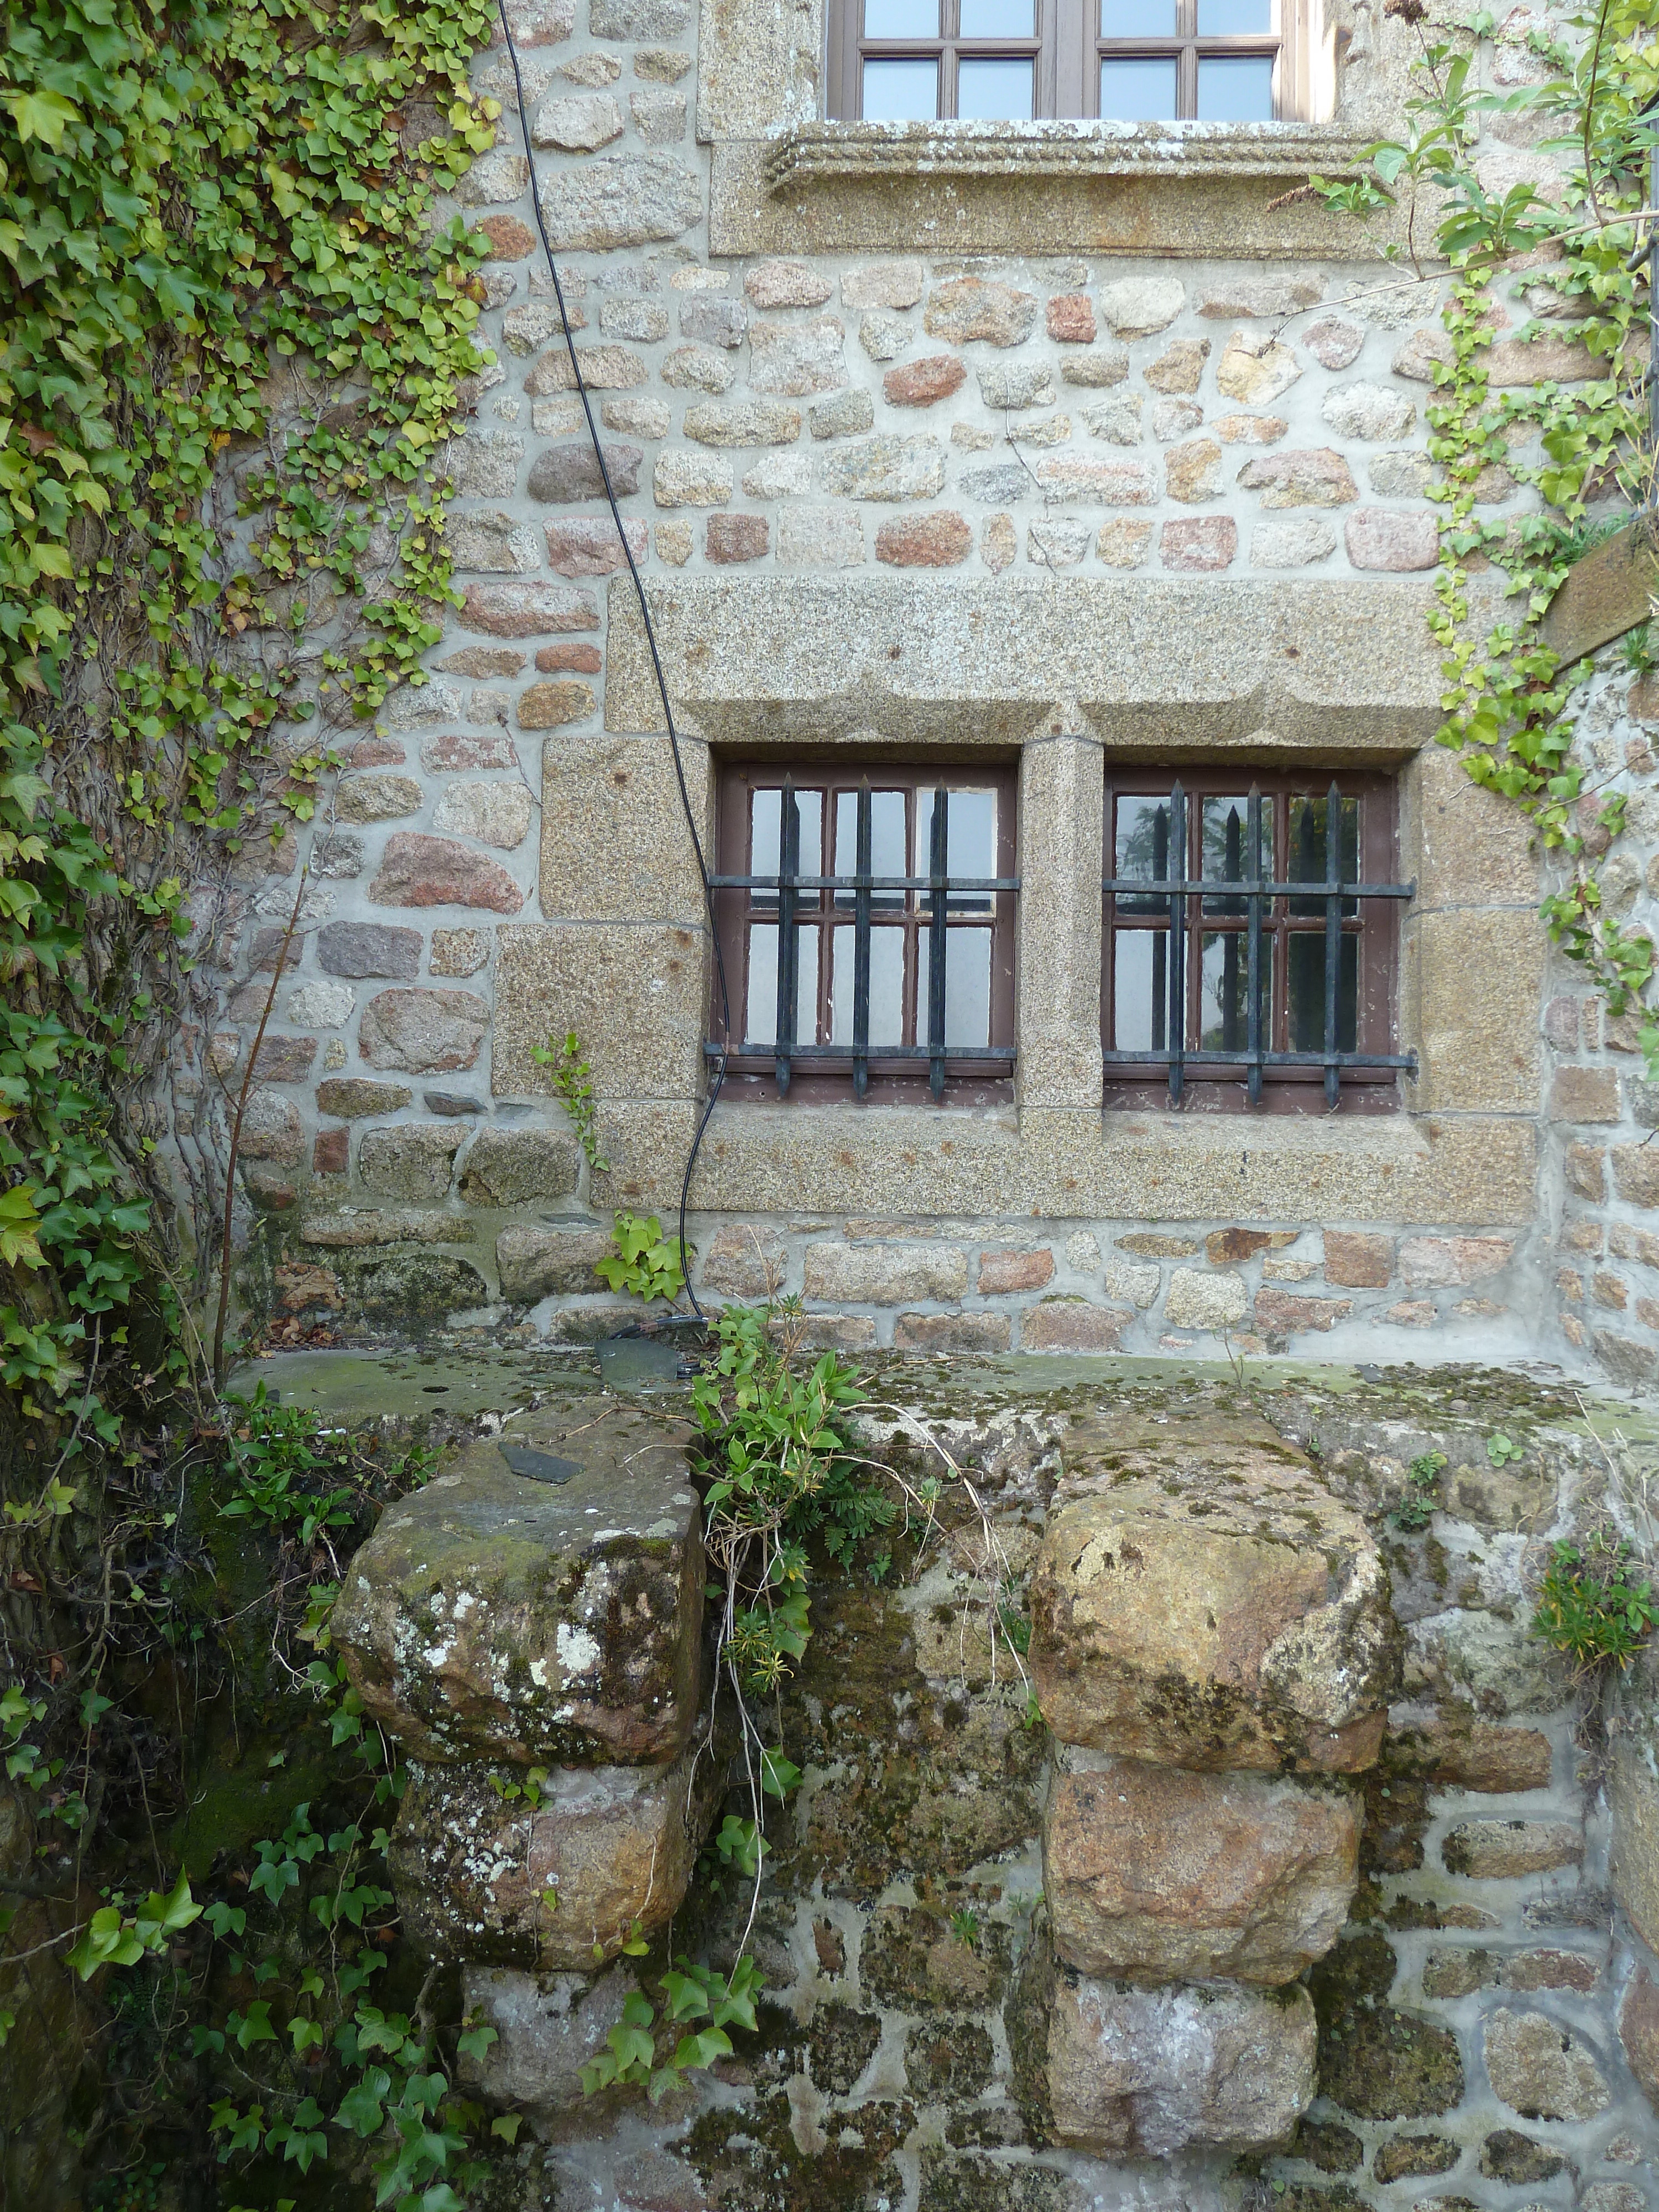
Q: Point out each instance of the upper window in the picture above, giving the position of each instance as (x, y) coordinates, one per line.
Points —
(1249, 941)
(867, 926)
(1130, 61)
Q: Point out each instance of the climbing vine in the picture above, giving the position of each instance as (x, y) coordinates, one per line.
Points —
(232, 341)
(1576, 258)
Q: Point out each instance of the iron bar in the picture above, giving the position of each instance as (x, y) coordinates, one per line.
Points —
(939, 856)
(788, 942)
(1253, 902)
(862, 947)
(1332, 936)
(1177, 1031)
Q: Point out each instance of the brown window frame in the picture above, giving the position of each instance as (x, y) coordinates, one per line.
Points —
(1068, 50)
(820, 1072)
(1139, 1080)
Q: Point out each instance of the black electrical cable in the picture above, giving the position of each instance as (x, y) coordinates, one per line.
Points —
(650, 638)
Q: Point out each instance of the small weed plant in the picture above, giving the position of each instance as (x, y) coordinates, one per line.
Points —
(573, 1082)
(1591, 1606)
(1422, 1500)
(645, 1263)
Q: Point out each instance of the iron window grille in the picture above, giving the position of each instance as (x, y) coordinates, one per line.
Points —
(1129, 61)
(1221, 967)
(853, 946)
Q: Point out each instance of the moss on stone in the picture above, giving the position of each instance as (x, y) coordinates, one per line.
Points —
(1374, 2061)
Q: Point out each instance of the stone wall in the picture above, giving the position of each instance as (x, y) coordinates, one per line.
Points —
(1308, 1874)
(1105, 491)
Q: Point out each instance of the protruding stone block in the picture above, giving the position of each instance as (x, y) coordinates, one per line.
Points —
(548, 2027)
(1201, 1598)
(1157, 1874)
(551, 1615)
(605, 1852)
(1105, 2067)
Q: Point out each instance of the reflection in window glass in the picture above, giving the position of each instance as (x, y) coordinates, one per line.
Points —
(1137, 19)
(1235, 19)
(971, 845)
(1225, 825)
(1224, 1000)
(1143, 850)
(1140, 989)
(901, 19)
(966, 986)
(1139, 91)
(886, 987)
(996, 92)
(888, 856)
(760, 1018)
(1236, 89)
(998, 19)
(1307, 991)
(765, 820)
(1306, 860)
(901, 92)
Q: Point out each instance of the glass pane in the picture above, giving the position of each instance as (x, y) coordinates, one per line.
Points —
(1235, 19)
(1236, 91)
(901, 92)
(1140, 91)
(995, 92)
(1225, 822)
(760, 1017)
(966, 986)
(888, 856)
(886, 988)
(998, 19)
(1142, 851)
(971, 845)
(1224, 1006)
(1137, 19)
(1306, 860)
(765, 818)
(1308, 993)
(1140, 989)
(901, 19)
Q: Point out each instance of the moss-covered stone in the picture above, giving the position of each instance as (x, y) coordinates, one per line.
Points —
(1329, 2146)
(1374, 2061)
(755, 2157)
(1406, 2154)
(910, 1959)
(987, 2184)
(840, 2046)
(1508, 2155)
(948, 2058)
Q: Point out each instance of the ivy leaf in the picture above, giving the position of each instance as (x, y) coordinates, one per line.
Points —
(43, 115)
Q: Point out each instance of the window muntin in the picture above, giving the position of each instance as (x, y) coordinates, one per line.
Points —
(1002, 60)
(846, 877)
(1265, 993)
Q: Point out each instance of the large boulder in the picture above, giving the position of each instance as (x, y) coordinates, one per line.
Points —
(1202, 1600)
(1103, 2067)
(548, 1615)
(1159, 1875)
(558, 1875)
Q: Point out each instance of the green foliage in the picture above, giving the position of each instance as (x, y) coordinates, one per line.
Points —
(1508, 695)
(1422, 1500)
(1590, 1607)
(645, 1263)
(965, 1927)
(204, 216)
(573, 1080)
(1501, 1449)
(690, 1992)
(114, 1937)
(295, 1477)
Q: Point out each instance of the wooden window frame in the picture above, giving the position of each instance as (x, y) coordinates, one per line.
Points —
(1209, 1087)
(969, 1078)
(1069, 50)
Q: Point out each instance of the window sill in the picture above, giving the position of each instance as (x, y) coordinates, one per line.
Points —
(812, 151)
(1194, 190)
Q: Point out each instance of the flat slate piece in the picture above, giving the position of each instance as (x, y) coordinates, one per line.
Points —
(1201, 1598)
(539, 1615)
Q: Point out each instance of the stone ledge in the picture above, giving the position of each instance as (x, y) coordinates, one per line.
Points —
(1063, 148)
(1033, 189)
